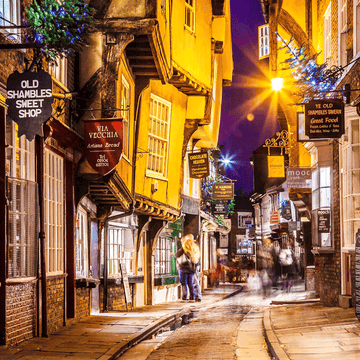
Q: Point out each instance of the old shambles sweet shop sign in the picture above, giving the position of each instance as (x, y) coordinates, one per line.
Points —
(29, 100)
(103, 143)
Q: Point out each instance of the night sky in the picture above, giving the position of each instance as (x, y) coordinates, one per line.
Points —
(247, 117)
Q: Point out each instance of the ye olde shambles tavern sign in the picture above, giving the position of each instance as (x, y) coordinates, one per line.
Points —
(324, 119)
(103, 143)
(29, 97)
(199, 165)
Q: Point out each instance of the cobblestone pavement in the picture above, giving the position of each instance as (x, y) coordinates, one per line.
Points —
(227, 330)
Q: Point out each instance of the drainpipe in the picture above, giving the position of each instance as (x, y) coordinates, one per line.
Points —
(40, 180)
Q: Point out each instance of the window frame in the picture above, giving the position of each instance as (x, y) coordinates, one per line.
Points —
(82, 243)
(264, 46)
(189, 20)
(159, 158)
(125, 103)
(118, 254)
(13, 18)
(163, 257)
(22, 216)
(54, 206)
(342, 6)
(321, 181)
(327, 36)
(350, 180)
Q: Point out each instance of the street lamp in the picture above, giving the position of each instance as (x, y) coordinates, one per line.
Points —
(277, 84)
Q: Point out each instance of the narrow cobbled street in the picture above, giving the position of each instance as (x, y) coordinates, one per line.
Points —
(215, 332)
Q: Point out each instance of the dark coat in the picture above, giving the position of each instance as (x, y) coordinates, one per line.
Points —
(187, 265)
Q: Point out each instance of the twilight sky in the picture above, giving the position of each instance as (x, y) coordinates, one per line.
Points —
(247, 118)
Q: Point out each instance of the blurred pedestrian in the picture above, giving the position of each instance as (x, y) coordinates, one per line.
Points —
(196, 281)
(266, 282)
(289, 269)
(187, 259)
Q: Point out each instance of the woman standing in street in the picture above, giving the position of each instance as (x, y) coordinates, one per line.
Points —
(187, 259)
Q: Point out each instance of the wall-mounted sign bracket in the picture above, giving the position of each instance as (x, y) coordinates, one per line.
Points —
(281, 141)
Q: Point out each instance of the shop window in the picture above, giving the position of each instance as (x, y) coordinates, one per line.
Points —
(120, 248)
(20, 154)
(54, 212)
(190, 15)
(264, 49)
(164, 261)
(10, 16)
(82, 243)
(22, 195)
(159, 132)
(245, 220)
(125, 114)
(350, 170)
(321, 205)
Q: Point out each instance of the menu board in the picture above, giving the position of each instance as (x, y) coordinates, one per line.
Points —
(125, 281)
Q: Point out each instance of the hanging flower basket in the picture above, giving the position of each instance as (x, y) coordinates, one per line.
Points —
(60, 27)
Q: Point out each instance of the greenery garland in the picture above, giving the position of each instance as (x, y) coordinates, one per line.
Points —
(59, 26)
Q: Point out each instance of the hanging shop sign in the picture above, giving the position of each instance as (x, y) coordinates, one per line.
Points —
(219, 209)
(274, 217)
(286, 211)
(357, 274)
(323, 221)
(298, 178)
(324, 119)
(29, 99)
(103, 143)
(276, 166)
(294, 225)
(199, 165)
(223, 191)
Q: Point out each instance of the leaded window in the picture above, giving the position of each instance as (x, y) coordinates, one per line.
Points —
(159, 132)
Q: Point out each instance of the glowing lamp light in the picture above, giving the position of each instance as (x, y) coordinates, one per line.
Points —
(277, 84)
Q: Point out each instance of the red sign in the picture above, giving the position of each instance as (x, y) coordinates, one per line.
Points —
(274, 217)
(103, 143)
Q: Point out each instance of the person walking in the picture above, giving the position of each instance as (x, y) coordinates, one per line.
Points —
(196, 282)
(288, 263)
(187, 259)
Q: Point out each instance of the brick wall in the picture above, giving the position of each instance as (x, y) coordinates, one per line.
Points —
(330, 263)
(115, 298)
(55, 303)
(20, 312)
(82, 302)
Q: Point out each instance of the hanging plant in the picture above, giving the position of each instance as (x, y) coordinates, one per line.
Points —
(311, 80)
(59, 26)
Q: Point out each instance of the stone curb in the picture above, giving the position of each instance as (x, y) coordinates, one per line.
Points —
(294, 302)
(271, 339)
(115, 352)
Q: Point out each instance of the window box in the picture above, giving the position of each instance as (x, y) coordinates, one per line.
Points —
(87, 283)
(166, 280)
(133, 279)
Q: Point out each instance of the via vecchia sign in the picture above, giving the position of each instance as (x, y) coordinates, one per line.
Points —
(29, 99)
(103, 143)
